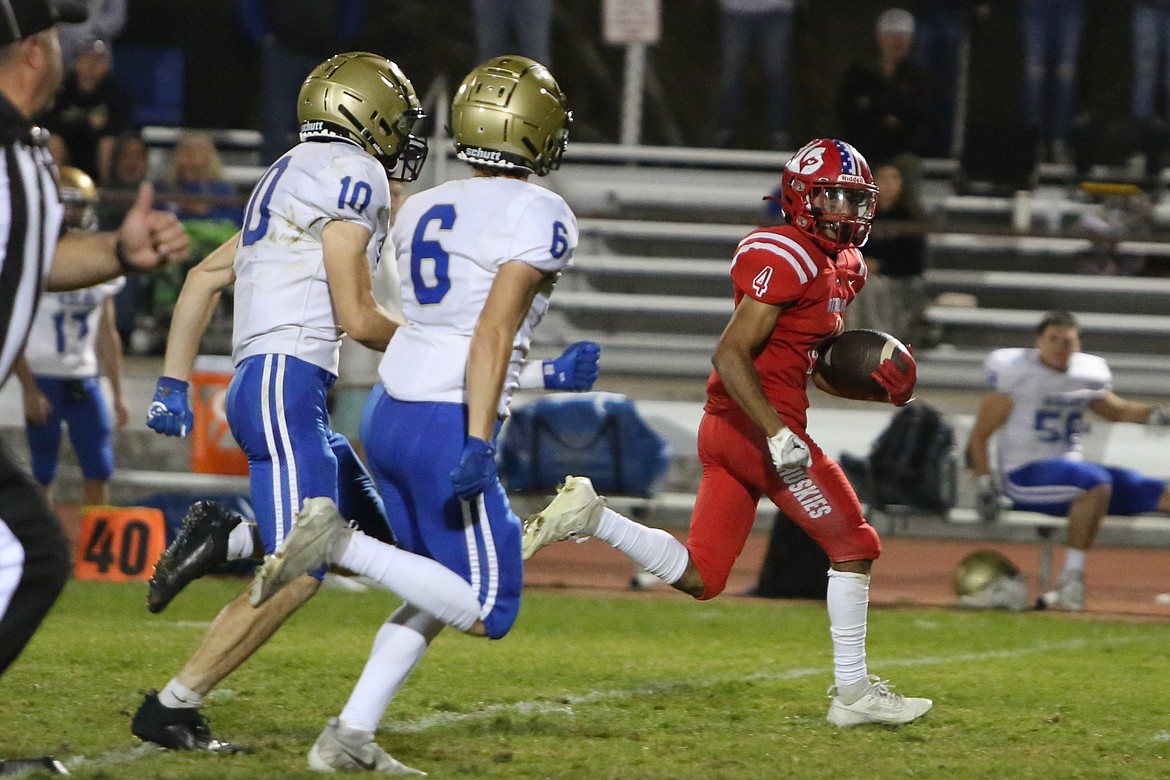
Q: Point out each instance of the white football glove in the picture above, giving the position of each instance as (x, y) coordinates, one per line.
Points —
(788, 451)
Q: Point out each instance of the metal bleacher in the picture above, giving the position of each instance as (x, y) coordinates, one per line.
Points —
(658, 225)
(657, 228)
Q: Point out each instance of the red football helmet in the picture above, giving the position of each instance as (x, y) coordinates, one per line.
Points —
(828, 192)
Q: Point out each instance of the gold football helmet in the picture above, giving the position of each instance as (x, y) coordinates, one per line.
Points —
(979, 568)
(366, 99)
(510, 114)
(987, 579)
(80, 196)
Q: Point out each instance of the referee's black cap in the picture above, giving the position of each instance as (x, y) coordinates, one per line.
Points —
(22, 18)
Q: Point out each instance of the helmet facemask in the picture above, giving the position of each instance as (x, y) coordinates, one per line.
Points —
(843, 215)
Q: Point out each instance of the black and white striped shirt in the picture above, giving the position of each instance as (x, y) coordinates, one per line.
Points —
(30, 224)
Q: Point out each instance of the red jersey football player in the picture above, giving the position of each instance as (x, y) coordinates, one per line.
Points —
(792, 283)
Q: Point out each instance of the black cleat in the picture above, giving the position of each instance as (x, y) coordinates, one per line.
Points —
(200, 546)
(177, 728)
(19, 766)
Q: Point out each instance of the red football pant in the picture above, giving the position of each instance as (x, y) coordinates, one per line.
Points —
(738, 470)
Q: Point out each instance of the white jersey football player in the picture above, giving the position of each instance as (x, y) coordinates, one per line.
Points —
(314, 228)
(72, 342)
(478, 258)
(1036, 409)
(313, 231)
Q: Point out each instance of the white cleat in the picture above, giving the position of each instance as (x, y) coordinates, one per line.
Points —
(1069, 594)
(308, 546)
(342, 749)
(877, 705)
(574, 513)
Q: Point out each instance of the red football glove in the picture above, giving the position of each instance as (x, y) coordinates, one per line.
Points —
(898, 384)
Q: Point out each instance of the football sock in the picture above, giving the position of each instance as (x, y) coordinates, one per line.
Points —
(425, 583)
(1074, 559)
(177, 695)
(848, 602)
(240, 542)
(653, 549)
(396, 651)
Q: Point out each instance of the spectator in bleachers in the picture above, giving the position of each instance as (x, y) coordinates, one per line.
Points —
(1037, 406)
(106, 20)
(197, 183)
(513, 27)
(894, 297)
(879, 102)
(294, 36)
(941, 27)
(1151, 48)
(765, 25)
(90, 111)
(1052, 42)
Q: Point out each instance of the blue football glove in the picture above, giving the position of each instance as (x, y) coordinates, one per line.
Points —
(170, 413)
(575, 369)
(477, 469)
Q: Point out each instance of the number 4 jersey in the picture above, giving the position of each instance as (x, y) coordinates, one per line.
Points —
(451, 241)
(282, 301)
(1048, 406)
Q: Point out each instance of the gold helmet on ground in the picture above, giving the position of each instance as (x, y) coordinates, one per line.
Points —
(366, 99)
(987, 579)
(510, 114)
(80, 196)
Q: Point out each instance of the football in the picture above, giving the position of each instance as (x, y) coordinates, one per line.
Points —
(846, 361)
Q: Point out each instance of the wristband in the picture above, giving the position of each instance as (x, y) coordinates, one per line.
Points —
(124, 259)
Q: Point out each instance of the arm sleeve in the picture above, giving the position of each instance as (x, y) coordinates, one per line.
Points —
(1001, 372)
(545, 236)
(352, 188)
(772, 269)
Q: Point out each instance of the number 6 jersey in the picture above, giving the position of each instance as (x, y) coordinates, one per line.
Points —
(282, 301)
(450, 242)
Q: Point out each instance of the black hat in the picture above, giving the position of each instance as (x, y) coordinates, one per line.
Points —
(22, 18)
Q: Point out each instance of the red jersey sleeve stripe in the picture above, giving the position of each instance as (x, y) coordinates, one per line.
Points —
(788, 257)
(796, 247)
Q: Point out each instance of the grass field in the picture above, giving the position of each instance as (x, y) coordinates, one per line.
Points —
(593, 685)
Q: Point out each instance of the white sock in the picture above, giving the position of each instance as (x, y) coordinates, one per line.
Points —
(848, 602)
(240, 542)
(178, 695)
(396, 651)
(653, 549)
(426, 583)
(1074, 559)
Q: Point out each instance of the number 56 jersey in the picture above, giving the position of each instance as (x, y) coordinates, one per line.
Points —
(282, 301)
(451, 241)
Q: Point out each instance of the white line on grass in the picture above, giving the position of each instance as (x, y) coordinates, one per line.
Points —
(563, 705)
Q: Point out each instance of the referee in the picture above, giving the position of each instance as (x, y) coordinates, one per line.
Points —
(36, 255)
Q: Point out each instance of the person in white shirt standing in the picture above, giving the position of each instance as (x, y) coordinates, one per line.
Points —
(478, 259)
(1037, 407)
(73, 336)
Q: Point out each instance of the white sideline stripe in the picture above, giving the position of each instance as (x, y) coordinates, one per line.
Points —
(564, 704)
